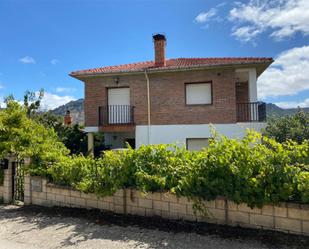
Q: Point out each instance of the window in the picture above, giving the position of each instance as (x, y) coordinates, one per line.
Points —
(197, 144)
(199, 93)
(119, 111)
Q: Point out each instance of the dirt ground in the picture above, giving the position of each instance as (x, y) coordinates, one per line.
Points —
(36, 227)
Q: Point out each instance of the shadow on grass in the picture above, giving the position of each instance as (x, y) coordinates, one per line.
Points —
(130, 228)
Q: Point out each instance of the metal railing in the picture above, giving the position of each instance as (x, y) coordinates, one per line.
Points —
(251, 112)
(116, 115)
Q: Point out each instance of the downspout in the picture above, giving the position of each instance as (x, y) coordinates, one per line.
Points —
(148, 105)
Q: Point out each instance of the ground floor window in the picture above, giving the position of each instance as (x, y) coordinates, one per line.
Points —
(197, 144)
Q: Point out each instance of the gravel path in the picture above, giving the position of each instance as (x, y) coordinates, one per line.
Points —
(23, 228)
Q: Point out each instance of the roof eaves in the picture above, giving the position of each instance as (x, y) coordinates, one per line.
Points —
(170, 69)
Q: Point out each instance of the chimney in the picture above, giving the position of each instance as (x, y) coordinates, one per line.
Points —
(159, 46)
(68, 119)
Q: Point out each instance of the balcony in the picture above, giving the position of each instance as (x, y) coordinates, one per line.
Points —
(116, 118)
(251, 112)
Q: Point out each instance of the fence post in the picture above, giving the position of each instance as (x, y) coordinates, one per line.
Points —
(27, 184)
(8, 181)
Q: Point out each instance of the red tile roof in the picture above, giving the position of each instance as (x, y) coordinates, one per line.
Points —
(173, 64)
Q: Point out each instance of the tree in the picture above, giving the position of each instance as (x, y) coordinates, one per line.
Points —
(73, 137)
(294, 127)
(32, 101)
(23, 137)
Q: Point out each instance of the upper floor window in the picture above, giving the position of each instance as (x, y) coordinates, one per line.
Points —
(199, 93)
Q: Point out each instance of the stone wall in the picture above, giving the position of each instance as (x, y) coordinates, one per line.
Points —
(7, 193)
(290, 218)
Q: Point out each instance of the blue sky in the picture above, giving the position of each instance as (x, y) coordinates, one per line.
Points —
(42, 41)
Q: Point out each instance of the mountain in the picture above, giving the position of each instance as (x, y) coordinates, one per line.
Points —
(77, 110)
(274, 110)
(75, 107)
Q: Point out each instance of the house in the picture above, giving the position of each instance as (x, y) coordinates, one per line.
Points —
(173, 100)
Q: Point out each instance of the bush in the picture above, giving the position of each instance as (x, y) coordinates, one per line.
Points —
(243, 171)
(294, 127)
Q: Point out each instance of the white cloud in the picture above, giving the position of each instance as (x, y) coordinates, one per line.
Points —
(288, 75)
(205, 16)
(293, 104)
(54, 61)
(27, 60)
(2, 104)
(246, 33)
(65, 89)
(52, 101)
(1, 86)
(283, 18)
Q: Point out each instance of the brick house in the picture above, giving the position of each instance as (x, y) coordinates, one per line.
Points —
(173, 100)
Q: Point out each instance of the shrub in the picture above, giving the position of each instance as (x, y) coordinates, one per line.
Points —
(294, 127)
(241, 170)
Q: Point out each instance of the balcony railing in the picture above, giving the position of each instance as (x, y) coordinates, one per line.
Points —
(251, 112)
(116, 115)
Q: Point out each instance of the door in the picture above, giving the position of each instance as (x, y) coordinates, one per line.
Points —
(119, 111)
(18, 177)
(242, 99)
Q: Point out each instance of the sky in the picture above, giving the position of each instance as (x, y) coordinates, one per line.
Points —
(42, 41)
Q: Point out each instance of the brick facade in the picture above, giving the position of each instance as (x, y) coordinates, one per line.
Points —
(167, 96)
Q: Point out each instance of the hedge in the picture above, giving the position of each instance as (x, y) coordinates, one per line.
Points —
(253, 170)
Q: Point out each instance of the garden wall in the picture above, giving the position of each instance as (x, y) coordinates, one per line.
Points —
(290, 218)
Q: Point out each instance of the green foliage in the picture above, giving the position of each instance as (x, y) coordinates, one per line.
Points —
(32, 101)
(241, 170)
(249, 171)
(23, 137)
(294, 127)
(255, 170)
(73, 137)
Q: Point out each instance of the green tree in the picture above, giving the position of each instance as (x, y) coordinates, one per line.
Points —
(24, 137)
(32, 101)
(294, 127)
(73, 137)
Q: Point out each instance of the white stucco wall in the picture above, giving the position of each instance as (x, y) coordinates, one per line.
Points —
(164, 134)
